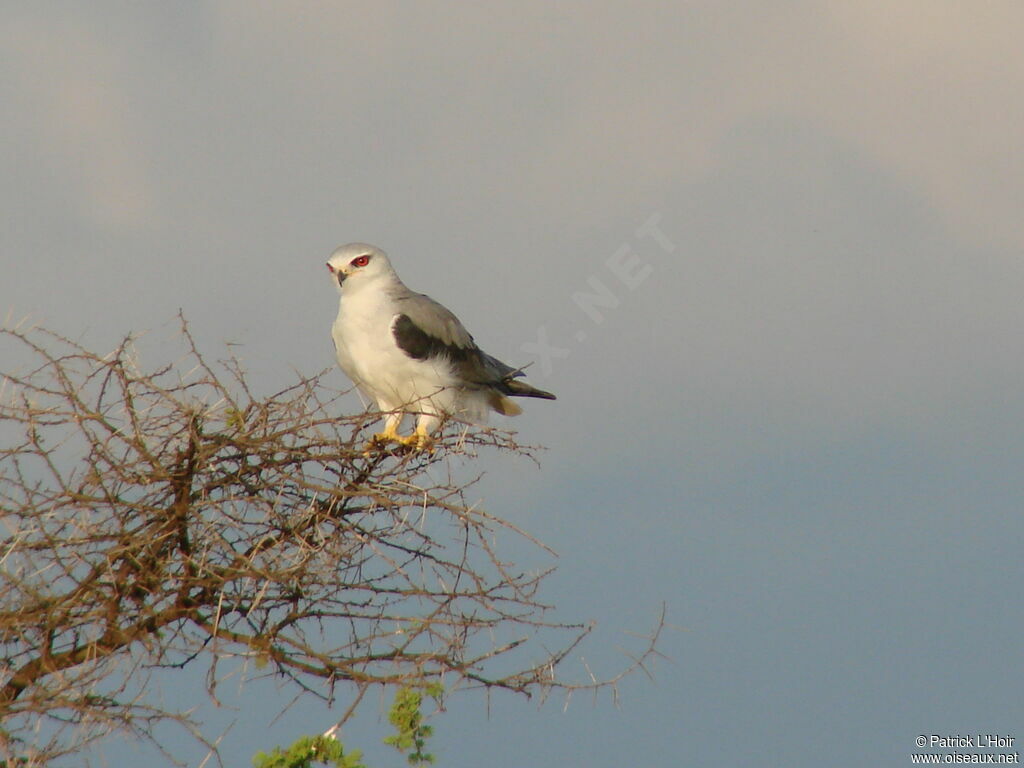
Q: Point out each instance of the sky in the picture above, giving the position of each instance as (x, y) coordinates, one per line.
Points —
(767, 254)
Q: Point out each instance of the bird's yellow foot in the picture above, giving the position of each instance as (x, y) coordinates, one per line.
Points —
(380, 440)
(418, 441)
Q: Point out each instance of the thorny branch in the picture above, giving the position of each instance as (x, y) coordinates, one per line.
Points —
(152, 520)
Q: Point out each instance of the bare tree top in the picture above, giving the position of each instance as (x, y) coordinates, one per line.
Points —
(163, 518)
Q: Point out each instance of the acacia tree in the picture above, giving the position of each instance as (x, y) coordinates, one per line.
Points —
(160, 519)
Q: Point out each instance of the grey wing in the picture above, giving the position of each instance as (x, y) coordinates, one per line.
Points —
(425, 329)
(435, 320)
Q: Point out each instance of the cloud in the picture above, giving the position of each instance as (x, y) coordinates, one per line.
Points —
(79, 127)
(485, 142)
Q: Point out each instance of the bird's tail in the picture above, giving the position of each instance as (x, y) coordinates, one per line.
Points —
(522, 389)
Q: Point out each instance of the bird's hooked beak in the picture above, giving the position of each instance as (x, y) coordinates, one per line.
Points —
(338, 274)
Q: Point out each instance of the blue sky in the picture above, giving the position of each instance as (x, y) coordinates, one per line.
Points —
(800, 427)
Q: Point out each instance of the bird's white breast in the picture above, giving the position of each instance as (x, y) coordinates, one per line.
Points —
(368, 354)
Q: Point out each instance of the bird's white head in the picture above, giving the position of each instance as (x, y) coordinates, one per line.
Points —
(359, 264)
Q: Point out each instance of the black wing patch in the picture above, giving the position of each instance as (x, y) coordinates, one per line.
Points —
(417, 343)
(475, 369)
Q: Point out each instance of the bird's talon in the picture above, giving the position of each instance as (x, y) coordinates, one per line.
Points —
(418, 441)
(415, 442)
(379, 442)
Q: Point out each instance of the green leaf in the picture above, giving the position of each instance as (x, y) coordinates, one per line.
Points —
(405, 716)
(307, 751)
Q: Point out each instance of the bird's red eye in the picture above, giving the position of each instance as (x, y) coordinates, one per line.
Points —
(361, 261)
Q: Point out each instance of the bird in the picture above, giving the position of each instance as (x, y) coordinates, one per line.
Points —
(410, 354)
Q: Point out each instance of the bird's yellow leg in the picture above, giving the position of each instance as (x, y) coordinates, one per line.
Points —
(420, 440)
(389, 435)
